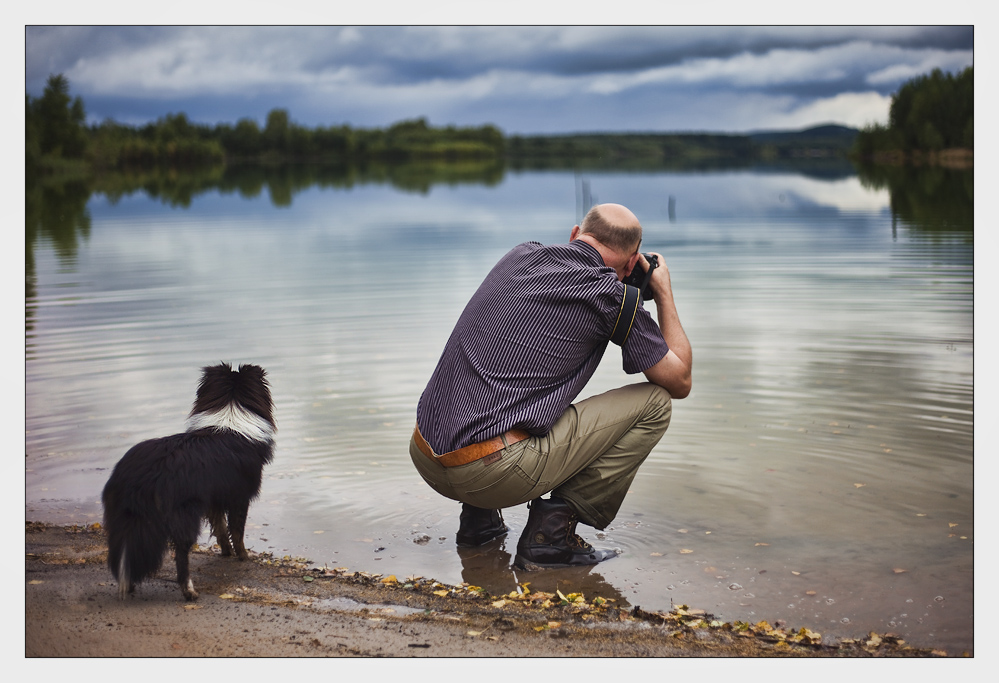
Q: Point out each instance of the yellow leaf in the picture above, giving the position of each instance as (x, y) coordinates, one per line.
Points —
(920, 514)
(809, 592)
(559, 593)
(899, 571)
(860, 485)
(192, 606)
(320, 531)
(685, 551)
(227, 596)
(766, 544)
(951, 525)
(390, 579)
(499, 603)
(554, 624)
(682, 531)
(474, 633)
(796, 573)
(655, 554)
(442, 594)
(35, 582)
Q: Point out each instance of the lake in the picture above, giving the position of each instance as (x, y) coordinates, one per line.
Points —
(820, 472)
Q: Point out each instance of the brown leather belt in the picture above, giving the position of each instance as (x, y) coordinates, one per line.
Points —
(468, 454)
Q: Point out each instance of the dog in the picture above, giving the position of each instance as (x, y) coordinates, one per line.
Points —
(162, 489)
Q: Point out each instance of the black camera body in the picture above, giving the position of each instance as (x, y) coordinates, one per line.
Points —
(640, 278)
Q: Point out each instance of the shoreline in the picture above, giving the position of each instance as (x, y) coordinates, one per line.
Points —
(269, 607)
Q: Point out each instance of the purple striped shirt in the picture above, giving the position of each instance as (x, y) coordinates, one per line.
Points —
(527, 343)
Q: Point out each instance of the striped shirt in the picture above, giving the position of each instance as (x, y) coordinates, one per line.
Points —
(527, 343)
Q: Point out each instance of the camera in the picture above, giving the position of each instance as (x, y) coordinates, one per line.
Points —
(640, 278)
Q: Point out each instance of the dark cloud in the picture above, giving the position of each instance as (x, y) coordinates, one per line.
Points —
(520, 78)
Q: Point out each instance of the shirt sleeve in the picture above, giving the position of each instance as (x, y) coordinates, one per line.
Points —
(645, 345)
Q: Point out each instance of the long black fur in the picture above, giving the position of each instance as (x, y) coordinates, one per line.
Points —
(162, 489)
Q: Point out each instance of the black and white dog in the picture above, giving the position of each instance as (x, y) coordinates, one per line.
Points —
(162, 489)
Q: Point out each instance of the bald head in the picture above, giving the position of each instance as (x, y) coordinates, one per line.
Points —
(614, 226)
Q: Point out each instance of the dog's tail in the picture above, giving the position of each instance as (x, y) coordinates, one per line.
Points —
(136, 543)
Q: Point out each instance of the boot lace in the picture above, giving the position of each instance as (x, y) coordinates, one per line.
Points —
(573, 538)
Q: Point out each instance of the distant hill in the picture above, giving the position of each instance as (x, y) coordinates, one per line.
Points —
(828, 136)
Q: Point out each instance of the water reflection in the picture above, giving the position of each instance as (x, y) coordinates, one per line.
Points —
(933, 199)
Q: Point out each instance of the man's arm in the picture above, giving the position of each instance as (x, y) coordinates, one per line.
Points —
(673, 371)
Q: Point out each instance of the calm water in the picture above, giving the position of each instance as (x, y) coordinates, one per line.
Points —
(820, 472)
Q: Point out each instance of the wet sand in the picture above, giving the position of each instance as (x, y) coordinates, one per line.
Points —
(285, 607)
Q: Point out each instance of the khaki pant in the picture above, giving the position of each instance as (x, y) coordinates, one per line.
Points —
(589, 458)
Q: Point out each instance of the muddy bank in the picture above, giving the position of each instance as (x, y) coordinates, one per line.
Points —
(283, 607)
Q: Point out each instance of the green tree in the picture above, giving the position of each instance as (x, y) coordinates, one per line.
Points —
(276, 133)
(56, 121)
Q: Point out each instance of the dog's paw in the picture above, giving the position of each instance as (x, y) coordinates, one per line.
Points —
(189, 593)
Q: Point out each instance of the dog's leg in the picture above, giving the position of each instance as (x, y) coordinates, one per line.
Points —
(183, 573)
(216, 518)
(237, 525)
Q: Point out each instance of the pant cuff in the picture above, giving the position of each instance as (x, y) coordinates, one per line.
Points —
(586, 513)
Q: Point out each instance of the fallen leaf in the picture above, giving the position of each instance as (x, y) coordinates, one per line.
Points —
(227, 596)
(390, 579)
(442, 594)
(499, 603)
(308, 579)
(897, 570)
(655, 554)
(192, 606)
(35, 582)
(860, 485)
(320, 531)
(766, 544)
(951, 525)
(809, 592)
(682, 531)
(685, 551)
(796, 573)
(474, 633)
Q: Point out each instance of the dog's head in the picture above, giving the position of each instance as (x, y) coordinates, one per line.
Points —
(235, 399)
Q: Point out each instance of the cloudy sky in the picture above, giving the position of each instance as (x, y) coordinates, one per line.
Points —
(521, 79)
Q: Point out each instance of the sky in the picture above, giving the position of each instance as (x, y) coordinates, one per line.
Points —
(522, 79)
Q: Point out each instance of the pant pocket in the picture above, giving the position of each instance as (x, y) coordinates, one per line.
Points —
(509, 481)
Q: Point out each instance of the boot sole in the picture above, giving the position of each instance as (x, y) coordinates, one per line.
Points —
(529, 565)
(470, 544)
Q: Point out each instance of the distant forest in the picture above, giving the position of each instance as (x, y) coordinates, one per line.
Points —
(929, 113)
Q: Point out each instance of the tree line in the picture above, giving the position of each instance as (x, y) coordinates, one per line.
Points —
(928, 114)
(56, 133)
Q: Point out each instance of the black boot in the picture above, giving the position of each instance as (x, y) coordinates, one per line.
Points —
(478, 526)
(549, 539)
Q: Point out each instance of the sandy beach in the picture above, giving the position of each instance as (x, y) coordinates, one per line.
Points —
(285, 607)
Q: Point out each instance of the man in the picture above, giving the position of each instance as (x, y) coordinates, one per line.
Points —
(496, 426)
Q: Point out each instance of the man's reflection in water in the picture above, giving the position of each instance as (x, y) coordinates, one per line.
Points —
(490, 566)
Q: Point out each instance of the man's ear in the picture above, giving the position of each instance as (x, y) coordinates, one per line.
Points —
(575, 233)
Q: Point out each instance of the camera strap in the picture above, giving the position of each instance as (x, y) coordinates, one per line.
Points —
(626, 316)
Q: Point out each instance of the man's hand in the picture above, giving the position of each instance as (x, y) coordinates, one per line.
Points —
(673, 372)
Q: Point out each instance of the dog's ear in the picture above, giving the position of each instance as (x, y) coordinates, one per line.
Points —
(254, 371)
